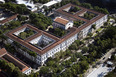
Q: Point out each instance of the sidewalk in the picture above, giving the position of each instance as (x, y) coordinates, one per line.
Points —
(102, 60)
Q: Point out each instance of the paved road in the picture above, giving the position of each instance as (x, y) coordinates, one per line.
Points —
(107, 55)
(100, 72)
(102, 60)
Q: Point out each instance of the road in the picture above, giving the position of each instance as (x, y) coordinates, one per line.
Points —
(100, 72)
(102, 60)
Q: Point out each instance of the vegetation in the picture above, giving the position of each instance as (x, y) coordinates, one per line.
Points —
(102, 44)
(74, 9)
(88, 15)
(12, 25)
(112, 74)
(58, 32)
(10, 69)
(78, 23)
(34, 54)
(40, 21)
(75, 45)
(87, 5)
(102, 10)
(26, 33)
(16, 8)
(94, 26)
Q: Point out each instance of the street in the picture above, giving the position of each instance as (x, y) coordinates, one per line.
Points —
(102, 60)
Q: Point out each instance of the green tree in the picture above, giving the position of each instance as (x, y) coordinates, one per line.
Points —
(44, 70)
(85, 49)
(17, 73)
(22, 35)
(10, 67)
(94, 26)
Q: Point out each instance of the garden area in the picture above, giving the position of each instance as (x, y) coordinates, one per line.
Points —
(72, 9)
(58, 32)
(78, 23)
(27, 33)
(89, 15)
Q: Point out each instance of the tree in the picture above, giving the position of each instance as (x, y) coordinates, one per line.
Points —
(94, 26)
(22, 35)
(73, 47)
(113, 57)
(3, 64)
(110, 32)
(17, 73)
(85, 49)
(87, 5)
(50, 63)
(10, 67)
(90, 34)
(84, 65)
(44, 70)
(16, 8)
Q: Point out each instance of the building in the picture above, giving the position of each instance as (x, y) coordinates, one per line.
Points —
(17, 62)
(52, 44)
(6, 20)
(45, 45)
(62, 23)
(28, 3)
(52, 2)
(2, 1)
(85, 28)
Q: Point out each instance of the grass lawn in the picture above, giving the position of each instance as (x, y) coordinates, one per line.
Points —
(99, 29)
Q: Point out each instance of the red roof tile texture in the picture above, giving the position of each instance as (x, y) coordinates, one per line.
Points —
(61, 20)
(3, 52)
(72, 32)
(77, 17)
(40, 32)
(10, 58)
(8, 19)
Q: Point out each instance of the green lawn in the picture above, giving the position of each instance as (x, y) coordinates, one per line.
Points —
(99, 29)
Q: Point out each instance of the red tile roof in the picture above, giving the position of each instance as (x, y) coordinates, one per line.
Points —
(77, 17)
(40, 32)
(3, 52)
(8, 19)
(61, 20)
(10, 58)
(72, 32)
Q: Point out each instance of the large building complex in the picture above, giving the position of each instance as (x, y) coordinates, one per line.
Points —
(4, 55)
(45, 45)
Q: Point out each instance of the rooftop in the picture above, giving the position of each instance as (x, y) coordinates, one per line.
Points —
(61, 20)
(5, 20)
(57, 41)
(52, 3)
(26, 42)
(76, 16)
(10, 58)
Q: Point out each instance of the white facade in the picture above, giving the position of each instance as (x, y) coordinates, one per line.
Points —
(40, 59)
(98, 24)
(28, 71)
(53, 2)
(69, 24)
(63, 46)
